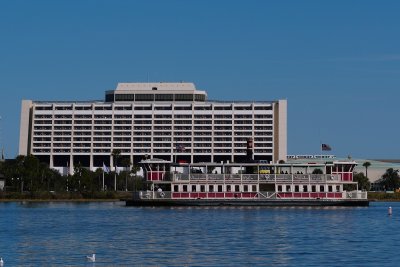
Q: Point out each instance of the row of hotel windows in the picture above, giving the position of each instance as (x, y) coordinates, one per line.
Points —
(155, 97)
(127, 134)
(188, 129)
(148, 139)
(149, 128)
(128, 122)
(158, 134)
(215, 188)
(157, 116)
(152, 107)
(148, 151)
(155, 145)
(308, 188)
(155, 128)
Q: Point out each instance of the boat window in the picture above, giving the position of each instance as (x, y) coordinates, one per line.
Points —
(202, 188)
(254, 188)
(296, 188)
(321, 188)
(330, 189)
(211, 188)
(288, 189)
(279, 188)
(237, 188)
(219, 188)
(313, 188)
(245, 188)
(193, 188)
(338, 188)
(228, 188)
(305, 188)
(176, 188)
(184, 188)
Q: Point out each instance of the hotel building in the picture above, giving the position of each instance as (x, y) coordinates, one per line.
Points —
(152, 120)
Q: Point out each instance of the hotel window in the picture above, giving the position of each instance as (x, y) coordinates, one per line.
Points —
(263, 108)
(202, 108)
(144, 97)
(200, 97)
(183, 97)
(164, 97)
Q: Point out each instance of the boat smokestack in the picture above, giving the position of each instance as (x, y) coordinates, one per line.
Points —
(250, 149)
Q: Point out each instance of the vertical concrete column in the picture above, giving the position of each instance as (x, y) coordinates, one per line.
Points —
(131, 160)
(71, 164)
(91, 162)
(51, 163)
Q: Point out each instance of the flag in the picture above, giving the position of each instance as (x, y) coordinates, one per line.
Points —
(325, 147)
(180, 148)
(105, 168)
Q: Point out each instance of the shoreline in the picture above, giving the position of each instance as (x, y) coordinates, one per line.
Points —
(60, 200)
(83, 200)
(123, 196)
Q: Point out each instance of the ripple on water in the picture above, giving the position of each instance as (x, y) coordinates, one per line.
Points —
(62, 234)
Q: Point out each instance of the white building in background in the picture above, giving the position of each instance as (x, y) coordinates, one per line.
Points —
(152, 120)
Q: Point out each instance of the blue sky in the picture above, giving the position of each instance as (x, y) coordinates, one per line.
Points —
(336, 62)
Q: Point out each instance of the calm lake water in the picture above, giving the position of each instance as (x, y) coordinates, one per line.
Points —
(62, 234)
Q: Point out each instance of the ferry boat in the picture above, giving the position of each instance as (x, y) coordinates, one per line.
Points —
(248, 184)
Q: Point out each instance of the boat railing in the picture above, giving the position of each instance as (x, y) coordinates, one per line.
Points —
(357, 194)
(154, 194)
(306, 178)
(266, 194)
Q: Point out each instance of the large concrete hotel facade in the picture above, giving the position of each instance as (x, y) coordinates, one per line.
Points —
(152, 120)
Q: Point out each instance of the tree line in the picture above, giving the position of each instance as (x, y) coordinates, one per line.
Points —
(389, 181)
(28, 174)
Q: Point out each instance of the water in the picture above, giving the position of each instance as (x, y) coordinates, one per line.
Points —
(62, 234)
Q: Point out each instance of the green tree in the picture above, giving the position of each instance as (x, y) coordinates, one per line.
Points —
(116, 154)
(362, 180)
(390, 179)
(136, 182)
(126, 162)
(366, 165)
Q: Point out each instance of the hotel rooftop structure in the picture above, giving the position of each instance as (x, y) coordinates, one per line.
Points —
(171, 121)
